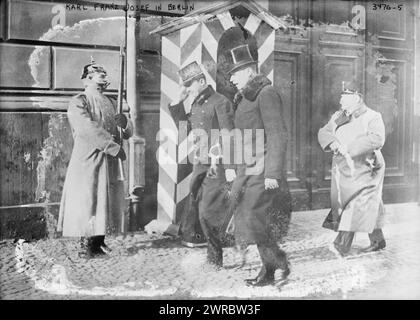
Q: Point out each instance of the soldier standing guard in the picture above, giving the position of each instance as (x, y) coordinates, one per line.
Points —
(92, 197)
(209, 110)
(260, 195)
(355, 134)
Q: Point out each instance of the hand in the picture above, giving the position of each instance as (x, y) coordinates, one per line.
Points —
(121, 120)
(271, 183)
(230, 175)
(342, 149)
(212, 172)
(183, 94)
(121, 154)
(334, 146)
(116, 139)
(338, 148)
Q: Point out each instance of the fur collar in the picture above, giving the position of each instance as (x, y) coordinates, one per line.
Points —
(252, 89)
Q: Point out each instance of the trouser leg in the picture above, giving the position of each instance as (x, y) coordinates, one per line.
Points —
(280, 257)
(344, 240)
(268, 262)
(214, 245)
(190, 227)
(272, 257)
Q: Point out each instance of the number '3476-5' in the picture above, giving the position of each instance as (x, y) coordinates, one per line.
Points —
(384, 6)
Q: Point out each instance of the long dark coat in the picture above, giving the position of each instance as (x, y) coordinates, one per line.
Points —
(92, 198)
(210, 110)
(261, 216)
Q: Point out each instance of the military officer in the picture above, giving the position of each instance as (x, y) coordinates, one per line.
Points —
(209, 110)
(355, 134)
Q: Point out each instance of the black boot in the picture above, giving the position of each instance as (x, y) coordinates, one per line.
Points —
(86, 248)
(97, 244)
(102, 245)
(265, 277)
(192, 234)
(343, 242)
(377, 241)
(281, 261)
(272, 258)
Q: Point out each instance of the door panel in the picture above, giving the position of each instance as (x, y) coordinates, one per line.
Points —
(334, 64)
(291, 80)
(309, 72)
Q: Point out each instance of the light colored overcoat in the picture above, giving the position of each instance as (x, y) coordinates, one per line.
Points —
(356, 195)
(92, 198)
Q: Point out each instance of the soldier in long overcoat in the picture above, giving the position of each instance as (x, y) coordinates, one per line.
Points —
(355, 134)
(260, 195)
(209, 110)
(92, 198)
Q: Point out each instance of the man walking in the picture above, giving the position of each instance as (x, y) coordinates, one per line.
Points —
(92, 197)
(209, 110)
(260, 194)
(355, 134)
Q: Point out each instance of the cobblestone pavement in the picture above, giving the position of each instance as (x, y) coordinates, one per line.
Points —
(143, 266)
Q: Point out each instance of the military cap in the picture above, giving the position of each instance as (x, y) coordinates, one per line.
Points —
(189, 73)
(241, 58)
(350, 87)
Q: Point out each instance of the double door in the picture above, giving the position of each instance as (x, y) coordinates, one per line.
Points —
(310, 66)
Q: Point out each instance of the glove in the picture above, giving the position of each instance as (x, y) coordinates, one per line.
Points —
(121, 120)
(334, 146)
(182, 95)
(270, 183)
(212, 172)
(121, 154)
(230, 175)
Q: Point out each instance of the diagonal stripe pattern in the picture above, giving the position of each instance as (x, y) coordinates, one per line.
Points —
(198, 42)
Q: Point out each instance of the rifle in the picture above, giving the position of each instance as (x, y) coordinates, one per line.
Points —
(121, 176)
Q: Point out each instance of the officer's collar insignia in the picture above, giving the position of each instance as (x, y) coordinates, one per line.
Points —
(345, 117)
(204, 95)
(360, 111)
(342, 119)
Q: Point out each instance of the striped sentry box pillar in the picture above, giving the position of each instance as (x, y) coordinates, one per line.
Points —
(196, 42)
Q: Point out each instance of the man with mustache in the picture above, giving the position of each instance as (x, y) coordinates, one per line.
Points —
(260, 194)
(92, 198)
(209, 203)
(355, 134)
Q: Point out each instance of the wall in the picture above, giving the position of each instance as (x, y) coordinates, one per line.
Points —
(43, 49)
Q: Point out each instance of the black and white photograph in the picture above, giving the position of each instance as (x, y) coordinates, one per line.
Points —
(215, 151)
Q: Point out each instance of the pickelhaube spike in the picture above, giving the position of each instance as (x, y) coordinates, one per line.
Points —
(91, 68)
